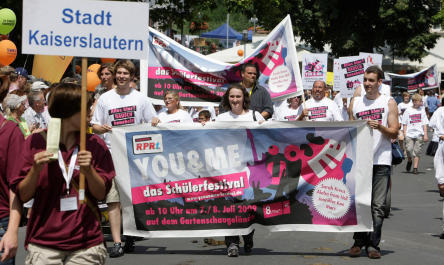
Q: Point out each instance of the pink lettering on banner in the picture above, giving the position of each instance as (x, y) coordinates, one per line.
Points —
(196, 78)
(276, 209)
(197, 189)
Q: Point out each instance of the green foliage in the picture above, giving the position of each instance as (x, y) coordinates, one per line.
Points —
(353, 26)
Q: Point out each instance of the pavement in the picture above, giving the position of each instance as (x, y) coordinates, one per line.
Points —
(410, 236)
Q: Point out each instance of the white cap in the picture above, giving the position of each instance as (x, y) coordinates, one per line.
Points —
(13, 101)
(38, 85)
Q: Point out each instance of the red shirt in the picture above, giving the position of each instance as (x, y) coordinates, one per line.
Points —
(48, 226)
(11, 145)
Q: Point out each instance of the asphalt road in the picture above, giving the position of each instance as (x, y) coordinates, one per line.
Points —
(410, 236)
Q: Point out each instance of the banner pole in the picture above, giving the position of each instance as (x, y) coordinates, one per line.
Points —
(83, 126)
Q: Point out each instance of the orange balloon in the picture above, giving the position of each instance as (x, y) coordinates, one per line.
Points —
(92, 80)
(93, 67)
(240, 52)
(107, 60)
(8, 52)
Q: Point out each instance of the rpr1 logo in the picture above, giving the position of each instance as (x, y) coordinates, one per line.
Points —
(147, 144)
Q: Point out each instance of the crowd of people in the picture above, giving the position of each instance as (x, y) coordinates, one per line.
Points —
(62, 231)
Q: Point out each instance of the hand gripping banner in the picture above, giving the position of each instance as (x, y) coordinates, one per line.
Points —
(220, 179)
(201, 81)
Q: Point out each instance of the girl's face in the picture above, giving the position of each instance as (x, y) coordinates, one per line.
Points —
(236, 99)
(294, 103)
(171, 103)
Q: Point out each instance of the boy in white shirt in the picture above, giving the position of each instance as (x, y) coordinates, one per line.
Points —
(414, 121)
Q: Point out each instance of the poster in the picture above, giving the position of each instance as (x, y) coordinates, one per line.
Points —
(314, 68)
(371, 59)
(201, 81)
(186, 180)
(425, 79)
(352, 74)
(337, 80)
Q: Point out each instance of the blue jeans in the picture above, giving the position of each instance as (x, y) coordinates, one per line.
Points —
(3, 226)
(380, 185)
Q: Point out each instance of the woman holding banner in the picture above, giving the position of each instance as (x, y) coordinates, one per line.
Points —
(173, 111)
(59, 230)
(237, 101)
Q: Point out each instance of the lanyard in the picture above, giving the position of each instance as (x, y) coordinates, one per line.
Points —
(68, 175)
(251, 91)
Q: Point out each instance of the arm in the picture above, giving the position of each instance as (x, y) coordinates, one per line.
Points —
(96, 185)
(28, 185)
(426, 137)
(350, 109)
(9, 242)
(392, 121)
(101, 129)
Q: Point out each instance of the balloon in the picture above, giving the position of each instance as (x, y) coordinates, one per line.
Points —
(7, 20)
(108, 60)
(240, 52)
(92, 80)
(8, 52)
(94, 67)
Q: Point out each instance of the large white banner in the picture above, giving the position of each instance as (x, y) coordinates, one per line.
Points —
(202, 81)
(314, 68)
(186, 180)
(425, 79)
(84, 28)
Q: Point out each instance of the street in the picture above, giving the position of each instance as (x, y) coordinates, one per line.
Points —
(410, 236)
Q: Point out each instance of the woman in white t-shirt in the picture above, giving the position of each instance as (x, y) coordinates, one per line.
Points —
(414, 122)
(237, 101)
(173, 111)
(289, 112)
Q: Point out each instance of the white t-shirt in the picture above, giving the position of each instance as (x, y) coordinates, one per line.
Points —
(366, 109)
(287, 114)
(121, 110)
(230, 116)
(321, 110)
(403, 106)
(415, 119)
(179, 116)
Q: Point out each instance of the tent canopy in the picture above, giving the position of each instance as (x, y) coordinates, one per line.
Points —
(221, 33)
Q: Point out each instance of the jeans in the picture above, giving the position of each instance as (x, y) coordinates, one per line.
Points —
(380, 185)
(3, 226)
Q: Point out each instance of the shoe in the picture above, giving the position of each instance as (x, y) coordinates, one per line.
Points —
(409, 166)
(116, 250)
(441, 236)
(415, 171)
(374, 254)
(129, 244)
(248, 242)
(354, 251)
(233, 250)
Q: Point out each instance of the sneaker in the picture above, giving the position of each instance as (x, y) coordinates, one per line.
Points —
(129, 244)
(373, 253)
(409, 166)
(415, 171)
(116, 250)
(233, 250)
(248, 242)
(354, 251)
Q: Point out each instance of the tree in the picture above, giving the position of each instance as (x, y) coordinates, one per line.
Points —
(354, 26)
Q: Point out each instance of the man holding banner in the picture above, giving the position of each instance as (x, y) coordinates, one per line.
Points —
(259, 97)
(381, 113)
(119, 107)
(319, 108)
